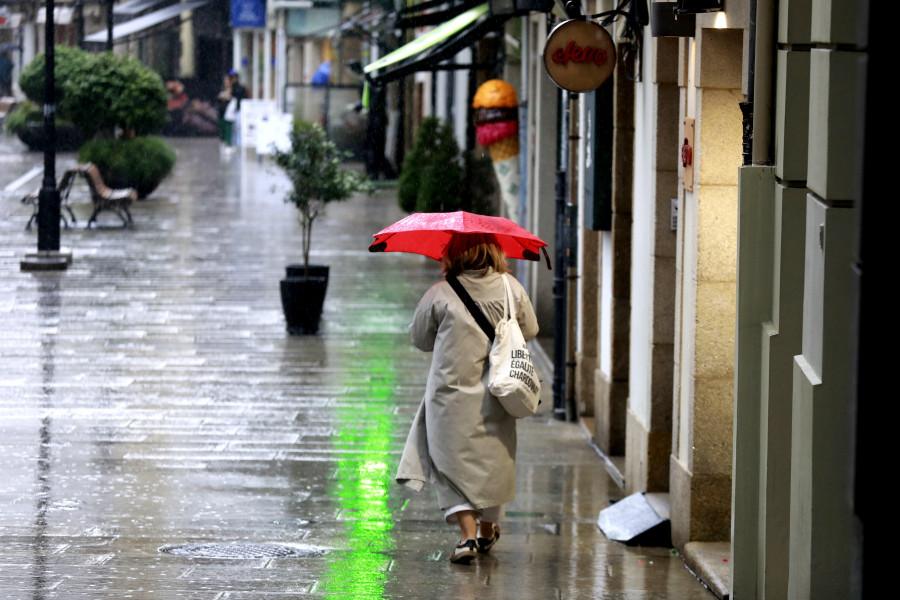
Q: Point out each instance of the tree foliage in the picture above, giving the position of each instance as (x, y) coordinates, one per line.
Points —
(67, 62)
(431, 179)
(112, 92)
(313, 165)
(141, 162)
(437, 177)
(100, 92)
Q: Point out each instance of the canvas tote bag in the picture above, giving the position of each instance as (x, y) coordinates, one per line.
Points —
(513, 379)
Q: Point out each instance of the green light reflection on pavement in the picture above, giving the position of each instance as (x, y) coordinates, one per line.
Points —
(361, 486)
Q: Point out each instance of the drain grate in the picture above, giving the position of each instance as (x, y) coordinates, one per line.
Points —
(240, 551)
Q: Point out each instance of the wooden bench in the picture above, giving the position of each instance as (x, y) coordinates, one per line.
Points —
(103, 197)
(65, 185)
(107, 198)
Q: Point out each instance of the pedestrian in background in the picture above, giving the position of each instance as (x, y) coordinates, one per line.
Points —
(6, 69)
(238, 92)
(223, 100)
(462, 439)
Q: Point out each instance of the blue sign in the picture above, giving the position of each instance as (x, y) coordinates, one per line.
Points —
(248, 13)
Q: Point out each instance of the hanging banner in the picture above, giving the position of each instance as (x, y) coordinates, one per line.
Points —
(579, 55)
(248, 13)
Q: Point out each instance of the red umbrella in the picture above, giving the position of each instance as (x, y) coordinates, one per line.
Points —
(429, 234)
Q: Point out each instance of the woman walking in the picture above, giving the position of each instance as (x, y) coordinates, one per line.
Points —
(462, 440)
(225, 119)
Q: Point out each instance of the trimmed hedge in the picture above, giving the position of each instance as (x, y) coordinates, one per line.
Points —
(141, 162)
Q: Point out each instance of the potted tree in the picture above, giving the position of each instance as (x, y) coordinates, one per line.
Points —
(27, 121)
(313, 165)
(121, 104)
(109, 107)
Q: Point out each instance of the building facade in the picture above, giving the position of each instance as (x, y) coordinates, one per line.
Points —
(714, 327)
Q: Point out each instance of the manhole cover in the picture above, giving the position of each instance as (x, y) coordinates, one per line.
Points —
(241, 551)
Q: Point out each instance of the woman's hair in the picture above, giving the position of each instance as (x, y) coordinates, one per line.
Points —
(474, 252)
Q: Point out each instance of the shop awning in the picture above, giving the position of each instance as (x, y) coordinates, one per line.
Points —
(134, 7)
(146, 21)
(441, 43)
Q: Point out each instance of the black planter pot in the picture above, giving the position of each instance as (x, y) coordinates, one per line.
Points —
(302, 298)
(68, 137)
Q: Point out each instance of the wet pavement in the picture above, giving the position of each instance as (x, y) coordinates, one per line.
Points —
(162, 436)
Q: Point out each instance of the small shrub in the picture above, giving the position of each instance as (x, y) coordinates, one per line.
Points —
(27, 112)
(67, 62)
(100, 92)
(110, 92)
(436, 177)
(482, 184)
(141, 163)
(432, 175)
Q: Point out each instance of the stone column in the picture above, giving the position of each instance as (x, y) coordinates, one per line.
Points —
(649, 425)
(611, 376)
(769, 315)
(822, 522)
(700, 466)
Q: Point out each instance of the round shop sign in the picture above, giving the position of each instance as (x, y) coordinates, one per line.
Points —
(579, 55)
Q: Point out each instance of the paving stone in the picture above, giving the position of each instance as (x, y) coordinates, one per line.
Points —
(150, 395)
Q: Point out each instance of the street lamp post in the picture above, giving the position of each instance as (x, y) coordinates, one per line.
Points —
(48, 256)
(48, 200)
(79, 23)
(109, 25)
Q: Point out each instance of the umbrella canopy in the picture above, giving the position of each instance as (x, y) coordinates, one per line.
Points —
(429, 234)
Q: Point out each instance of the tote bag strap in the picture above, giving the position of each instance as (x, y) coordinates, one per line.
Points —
(509, 302)
(471, 306)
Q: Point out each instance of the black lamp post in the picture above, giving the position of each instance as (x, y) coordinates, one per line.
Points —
(48, 256)
(48, 199)
(109, 25)
(79, 23)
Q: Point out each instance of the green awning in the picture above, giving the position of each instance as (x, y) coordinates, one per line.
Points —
(431, 39)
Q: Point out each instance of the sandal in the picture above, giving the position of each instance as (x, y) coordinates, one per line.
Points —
(464, 552)
(485, 544)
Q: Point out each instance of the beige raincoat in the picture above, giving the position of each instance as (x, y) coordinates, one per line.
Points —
(462, 440)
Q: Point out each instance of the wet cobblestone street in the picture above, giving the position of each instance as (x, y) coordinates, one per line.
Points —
(150, 397)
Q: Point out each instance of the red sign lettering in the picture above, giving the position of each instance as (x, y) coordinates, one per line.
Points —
(576, 54)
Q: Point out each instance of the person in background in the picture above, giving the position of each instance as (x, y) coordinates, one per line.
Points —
(6, 68)
(222, 101)
(238, 92)
(178, 99)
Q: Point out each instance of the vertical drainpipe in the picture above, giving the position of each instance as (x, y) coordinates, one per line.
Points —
(560, 279)
(522, 216)
(562, 408)
(757, 109)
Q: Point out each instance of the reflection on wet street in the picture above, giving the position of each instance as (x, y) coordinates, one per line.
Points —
(162, 436)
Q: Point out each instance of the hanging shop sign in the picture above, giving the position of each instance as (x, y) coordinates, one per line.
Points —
(579, 55)
(248, 13)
